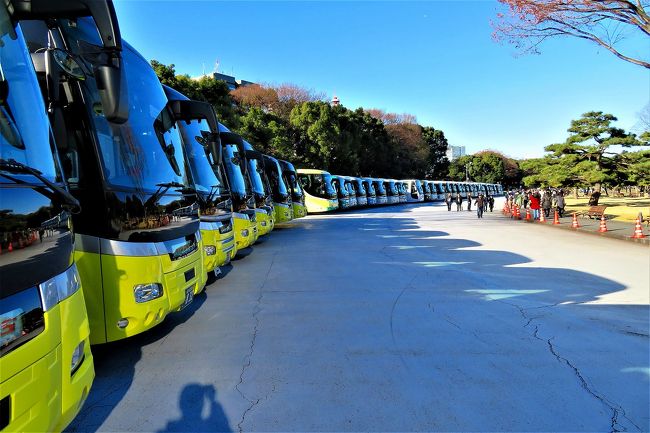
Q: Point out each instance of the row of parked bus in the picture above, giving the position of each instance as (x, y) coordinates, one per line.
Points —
(120, 199)
(325, 192)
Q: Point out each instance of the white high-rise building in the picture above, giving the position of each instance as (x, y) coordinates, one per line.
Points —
(455, 152)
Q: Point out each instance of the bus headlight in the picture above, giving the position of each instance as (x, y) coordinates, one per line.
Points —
(210, 250)
(147, 292)
(77, 357)
(60, 287)
(244, 233)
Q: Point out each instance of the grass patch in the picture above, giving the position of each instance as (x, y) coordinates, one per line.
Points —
(621, 208)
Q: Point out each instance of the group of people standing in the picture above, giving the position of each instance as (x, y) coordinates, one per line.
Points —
(538, 201)
(482, 203)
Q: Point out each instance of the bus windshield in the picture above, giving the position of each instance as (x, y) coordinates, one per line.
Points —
(202, 167)
(25, 134)
(145, 152)
(232, 162)
(318, 185)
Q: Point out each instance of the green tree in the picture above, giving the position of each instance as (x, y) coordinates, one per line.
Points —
(206, 88)
(437, 162)
(587, 157)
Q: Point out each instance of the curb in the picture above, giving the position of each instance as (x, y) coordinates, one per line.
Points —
(644, 241)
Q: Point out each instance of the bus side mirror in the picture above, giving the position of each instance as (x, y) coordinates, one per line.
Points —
(188, 110)
(254, 154)
(111, 83)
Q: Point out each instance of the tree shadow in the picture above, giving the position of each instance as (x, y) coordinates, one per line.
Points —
(194, 401)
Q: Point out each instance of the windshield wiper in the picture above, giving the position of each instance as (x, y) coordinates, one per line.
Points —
(13, 166)
(171, 185)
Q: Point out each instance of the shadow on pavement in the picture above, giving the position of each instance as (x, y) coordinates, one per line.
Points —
(194, 401)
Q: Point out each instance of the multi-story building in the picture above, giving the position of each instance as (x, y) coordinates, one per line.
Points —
(455, 152)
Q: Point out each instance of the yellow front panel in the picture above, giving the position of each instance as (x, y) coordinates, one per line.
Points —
(176, 283)
(255, 234)
(243, 233)
(210, 238)
(225, 247)
(35, 394)
(120, 275)
(170, 265)
(90, 271)
(75, 329)
(283, 212)
(264, 222)
(299, 210)
(318, 205)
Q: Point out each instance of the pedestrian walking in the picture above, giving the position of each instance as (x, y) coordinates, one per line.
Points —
(547, 203)
(486, 200)
(459, 202)
(560, 203)
(534, 199)
(469, 202)
(480, 202)
(448, 200)
(526, 198)
(491, 203)
(519, 199)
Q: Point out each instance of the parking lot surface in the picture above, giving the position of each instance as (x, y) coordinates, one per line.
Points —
(405, 318)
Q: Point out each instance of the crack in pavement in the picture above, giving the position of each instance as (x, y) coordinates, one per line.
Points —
(616, 409)
(249, 356)
(392, 314)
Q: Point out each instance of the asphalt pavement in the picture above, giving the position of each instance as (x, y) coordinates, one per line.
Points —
(404, 318)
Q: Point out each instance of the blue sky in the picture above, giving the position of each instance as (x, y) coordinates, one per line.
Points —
(434, 59)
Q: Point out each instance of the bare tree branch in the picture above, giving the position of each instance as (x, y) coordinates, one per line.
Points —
(604, 22)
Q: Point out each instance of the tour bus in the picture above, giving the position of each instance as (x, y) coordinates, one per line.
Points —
(282, 202)
(371, 193)
(261, 189)
(362, 193)
(426, 187)
(197, 124)
(352, 192)
(392, 191)
(415, 191)
(341, 191)
(320, 194)
(437, 190)
(137, 239)
(380, 191)
(46, 365)
(402, 189)
(244, 215)
(297, 195)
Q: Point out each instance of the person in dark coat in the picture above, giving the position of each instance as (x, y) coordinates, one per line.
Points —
(459, 202)
(469, 202)
(448, 200)
(480, 202)
(491, 203)
(560, 203)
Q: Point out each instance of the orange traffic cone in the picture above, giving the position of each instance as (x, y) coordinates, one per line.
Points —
(556, 218)
(603, 225)
(528, 217)
(638, 230)
(517, 213)
(11, 247)
(574, 223)
(542, 218)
